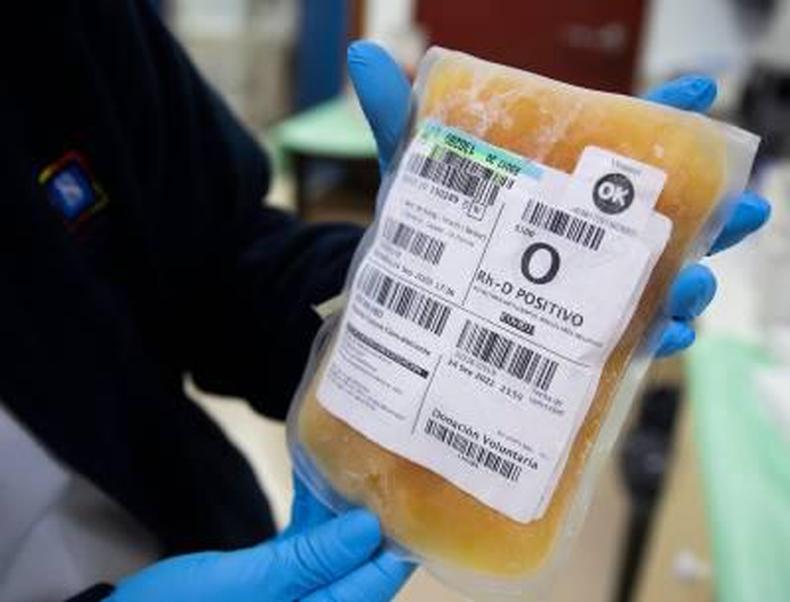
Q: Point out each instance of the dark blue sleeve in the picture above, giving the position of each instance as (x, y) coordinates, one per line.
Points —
(236, 280)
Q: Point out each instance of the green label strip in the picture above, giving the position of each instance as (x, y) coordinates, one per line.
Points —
(493, 157)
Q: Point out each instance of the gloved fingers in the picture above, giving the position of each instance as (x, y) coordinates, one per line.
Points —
(306, 510)
(691, 292)
(307, 561)
(383, 92)
(690, 93)
(376, 581)
(286, 569)
(750, 213)
(677, 336)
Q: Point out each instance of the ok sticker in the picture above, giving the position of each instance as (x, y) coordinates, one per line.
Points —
(624, 191)
(613, 193)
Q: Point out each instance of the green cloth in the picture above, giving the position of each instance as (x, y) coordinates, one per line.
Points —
(746, 471)
(336, 129)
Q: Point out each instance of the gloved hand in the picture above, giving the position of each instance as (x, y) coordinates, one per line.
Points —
(319, 558)
(384, 94)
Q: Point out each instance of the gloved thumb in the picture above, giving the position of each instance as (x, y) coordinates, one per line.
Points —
(284, 570)
(306, 510)
(322, 555)
(383, 92)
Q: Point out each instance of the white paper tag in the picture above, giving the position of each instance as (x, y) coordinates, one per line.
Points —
(623, 191)
(481, 316)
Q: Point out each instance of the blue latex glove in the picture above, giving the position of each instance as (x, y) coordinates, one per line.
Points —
(383, 575)
(319, 558)
(384, 94)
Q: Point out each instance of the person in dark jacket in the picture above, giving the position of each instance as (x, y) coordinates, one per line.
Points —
(135, 250)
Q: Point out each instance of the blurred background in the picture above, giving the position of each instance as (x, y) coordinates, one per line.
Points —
(695, 504)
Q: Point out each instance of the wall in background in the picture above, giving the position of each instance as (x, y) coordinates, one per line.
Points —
(245, 49)
(692, 35)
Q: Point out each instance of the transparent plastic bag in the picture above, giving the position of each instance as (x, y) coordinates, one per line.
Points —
(501, 312)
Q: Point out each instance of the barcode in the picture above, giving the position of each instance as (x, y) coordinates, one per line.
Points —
(417, 243)
(473, 451)
(563, 224)
(461, 174)
(504, 354)
(405, 301)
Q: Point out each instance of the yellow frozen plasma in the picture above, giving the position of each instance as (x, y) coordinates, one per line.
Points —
(550, 123)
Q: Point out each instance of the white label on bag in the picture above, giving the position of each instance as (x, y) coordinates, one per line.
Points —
(482, 314)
